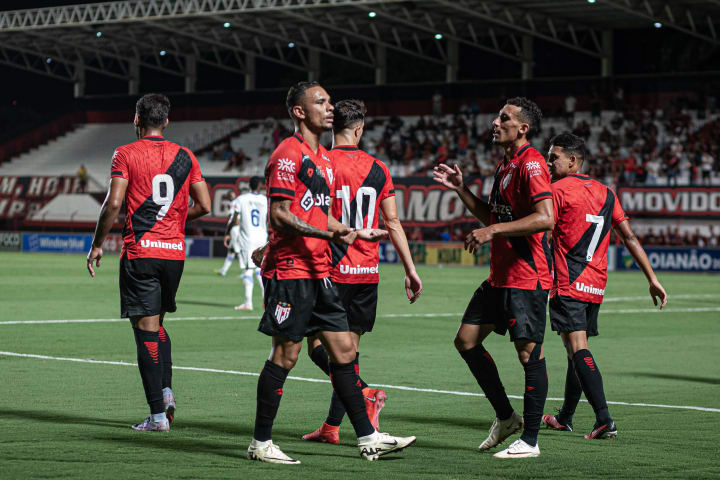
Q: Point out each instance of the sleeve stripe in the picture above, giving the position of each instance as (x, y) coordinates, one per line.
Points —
(282, 191)
(541, 194)
(391, 192)
(116, 172)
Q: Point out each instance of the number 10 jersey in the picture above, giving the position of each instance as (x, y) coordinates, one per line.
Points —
(362, 182)
(585, 210)
(159, 174)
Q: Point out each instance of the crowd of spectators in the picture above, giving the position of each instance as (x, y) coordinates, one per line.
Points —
(672, 237)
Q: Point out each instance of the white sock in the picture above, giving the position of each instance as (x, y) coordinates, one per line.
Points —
(248, 284)
(158, 417)
(258, 274)
(228, 261)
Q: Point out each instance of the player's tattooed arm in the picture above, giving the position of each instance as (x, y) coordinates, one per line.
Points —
(452, 178)
(285, 221)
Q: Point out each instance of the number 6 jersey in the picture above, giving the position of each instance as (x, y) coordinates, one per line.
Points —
(361, 183)
(159, 174)
(585, 210)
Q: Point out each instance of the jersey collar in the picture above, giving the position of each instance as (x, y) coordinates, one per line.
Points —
(519, 152)
(298, 137)
(154, 138)
(579, 175)
(347, 148)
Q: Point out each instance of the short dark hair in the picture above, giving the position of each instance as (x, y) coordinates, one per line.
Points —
(530, 113)
(152, 110)
(255, 182)
(296, 93)
(571, 144)
(348, 113)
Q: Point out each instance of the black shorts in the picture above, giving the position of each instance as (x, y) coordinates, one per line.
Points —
(360, 302)
(148, 286)
(298, 308)
(570, 315)
(523, 312)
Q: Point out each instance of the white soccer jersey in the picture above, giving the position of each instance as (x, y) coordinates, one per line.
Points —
(252, 213)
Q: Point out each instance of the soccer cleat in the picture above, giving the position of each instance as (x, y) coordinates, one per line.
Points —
(149, 426)
(603, 432)
(501, 430)
(268, 452)
(374, 402)
(326, 434)
(551, 422)
(244, 306)
(220, 272)
(169, 403)
(519, 449)
(378, 444)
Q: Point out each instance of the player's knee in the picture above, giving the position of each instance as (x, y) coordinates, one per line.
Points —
(462, 344)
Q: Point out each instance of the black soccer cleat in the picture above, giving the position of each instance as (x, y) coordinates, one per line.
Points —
(603, 432)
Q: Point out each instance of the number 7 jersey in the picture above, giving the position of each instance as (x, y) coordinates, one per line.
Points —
(159, 174)
(585, 210)
(362, 182)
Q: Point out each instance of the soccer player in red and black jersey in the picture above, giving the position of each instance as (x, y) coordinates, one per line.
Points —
(154, 178)
(300, 298)
(585, 210)
(517, 219)
(363, 189)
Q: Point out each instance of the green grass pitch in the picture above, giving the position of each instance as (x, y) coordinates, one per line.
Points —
(66, 419)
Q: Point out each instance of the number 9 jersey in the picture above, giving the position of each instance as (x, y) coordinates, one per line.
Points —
(362, 182)
(585, 210)
(159, 174)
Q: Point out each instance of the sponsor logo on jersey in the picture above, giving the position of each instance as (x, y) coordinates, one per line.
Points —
(282, 311)
(163, 245)
(358, 270)
(501, 210)
(581, 287)
(308, 200)
(285, 177)
(286, 165)
(534, 169)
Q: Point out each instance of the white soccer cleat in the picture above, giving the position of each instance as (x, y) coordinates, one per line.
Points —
(244, 306)
(519, 449)
(169, 403)
(268, 452)
(378, 444)
(148, 425)
(501, 430)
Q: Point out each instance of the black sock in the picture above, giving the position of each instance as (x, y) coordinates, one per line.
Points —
(337, 411)
(166, 355)
(320, 358)
(573, 391)
(150, 365)
(486, 373)
(269, 393)
(536, 390)
(592, 385)
(346, 384)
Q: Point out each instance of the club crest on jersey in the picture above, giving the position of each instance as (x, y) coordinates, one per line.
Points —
(282, 311)
(286, 165)
(505, 181)
(319, 200)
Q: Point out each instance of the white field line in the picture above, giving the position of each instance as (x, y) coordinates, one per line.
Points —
(317, 380)
(387, 315)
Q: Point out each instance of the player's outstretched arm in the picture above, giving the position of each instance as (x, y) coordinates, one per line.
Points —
(413, 284)
(201, 196)
(282, 219)
(108, 213)
(452, 179)
(632, 243)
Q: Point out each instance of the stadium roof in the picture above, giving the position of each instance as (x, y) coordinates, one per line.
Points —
(173, 36)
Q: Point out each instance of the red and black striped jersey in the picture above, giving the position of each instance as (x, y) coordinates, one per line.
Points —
(585, 210)
(362, 182)
(159, 174)
(520, 262)
(297, 173)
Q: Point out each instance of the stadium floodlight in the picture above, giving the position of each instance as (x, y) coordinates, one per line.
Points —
(226, 24)
(291, 44)
(48, 60)
(591, 1)
(657, 25)
(438, 36)
(163, 53)
(372, 14)
(98, 34)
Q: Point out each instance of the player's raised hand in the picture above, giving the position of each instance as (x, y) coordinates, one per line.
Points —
(372, 234)
(344, 237)
(478, 237)
(658, 292)
(449, 177)
(95, 254)
(413, 286)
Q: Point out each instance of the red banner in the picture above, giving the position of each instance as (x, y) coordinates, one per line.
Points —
(670, 202)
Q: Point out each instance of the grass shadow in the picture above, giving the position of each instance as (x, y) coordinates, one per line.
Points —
(206, 304)
(483, 425)
(61, 418)
(667, 376)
